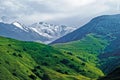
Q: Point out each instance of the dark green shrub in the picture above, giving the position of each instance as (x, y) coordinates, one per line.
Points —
(14, 54)
(65, 61)
(7, 62)
(7, 51)
(72, 66)
(61, 71)
(65, 52)
(17, 50)
(14, 74)
(45, 77)
(9, 45)
(72, 59)
(83, 64)
(33, 77)
(76, 68)
(24, 49)
(70, 53)
(37, 71)
(55, 56)
(47, 56)
(65, 72)
(20, 55)
(81, 58)
(45, 64)
(34, 70)
(38, 67)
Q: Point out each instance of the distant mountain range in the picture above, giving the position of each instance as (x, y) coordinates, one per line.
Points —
(41, 32)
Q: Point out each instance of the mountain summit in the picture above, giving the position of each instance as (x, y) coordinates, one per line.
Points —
(51, 31)
(40, 32)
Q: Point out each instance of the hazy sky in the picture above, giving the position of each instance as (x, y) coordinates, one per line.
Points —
(68, 12)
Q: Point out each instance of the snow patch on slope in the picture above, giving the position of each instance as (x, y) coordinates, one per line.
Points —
(18, 25)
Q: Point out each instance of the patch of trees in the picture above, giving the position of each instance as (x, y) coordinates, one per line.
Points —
(55, 56)
(17, 50)
(62, 71)
(45, 77)
(33, 77)
(40, 73)
(65, 61)
(70, 53)
(14, 74)
(83, 64)
(9, 45)
(81, 58)
(17, 55)
(7, 51)
(44, 64)
(24, 49)
(47, 56)
(7, 62)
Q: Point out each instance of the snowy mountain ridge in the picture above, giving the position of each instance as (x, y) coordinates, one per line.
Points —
(51, 30)
(41, 31)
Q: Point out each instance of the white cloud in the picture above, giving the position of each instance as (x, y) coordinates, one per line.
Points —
(56, 11)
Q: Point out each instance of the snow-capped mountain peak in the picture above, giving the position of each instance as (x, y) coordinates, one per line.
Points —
(17, 24)
(50, 30)
(41, 31)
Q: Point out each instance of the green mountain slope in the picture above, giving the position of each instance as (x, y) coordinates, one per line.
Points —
(87, 49)
(99, 38)
(110, 60)
(34, 61)
(92, 49)
(114, 75)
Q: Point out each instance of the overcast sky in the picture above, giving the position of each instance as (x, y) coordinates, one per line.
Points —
(68, 12)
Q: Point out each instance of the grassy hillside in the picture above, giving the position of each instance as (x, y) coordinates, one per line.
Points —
(77, 60)
(86, 49)
(34, 61)
(93, 49)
